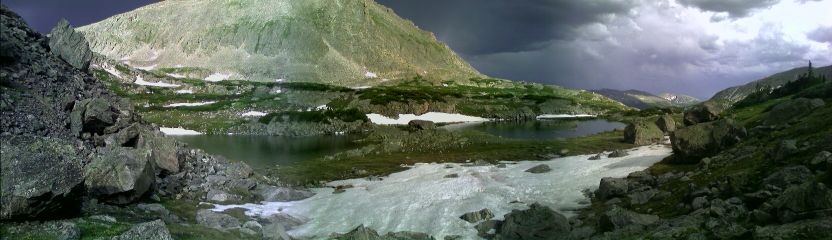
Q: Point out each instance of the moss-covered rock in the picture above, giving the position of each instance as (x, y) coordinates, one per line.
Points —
(643, 133)
(119, 175)
(695, 142)
(666, 123)
(705, 112)
(792, 109)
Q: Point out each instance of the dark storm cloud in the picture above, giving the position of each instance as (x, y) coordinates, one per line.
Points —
(734, 8)
(476, 27)
(43, 14)
(821, 34)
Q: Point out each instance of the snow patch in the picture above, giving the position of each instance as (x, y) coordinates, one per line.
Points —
(185, 91)
(322, 107)
(280, 80)
(178, 131)
(147, 68)
(190, 104)
(254, 114)
(436, 117)
(421, 199)
(112, 71)
(556, 116)
(216, 77)
(141, 81)
(361, 87)
(370, 75)
(174, 75)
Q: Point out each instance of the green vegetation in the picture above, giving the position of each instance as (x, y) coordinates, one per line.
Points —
(320, 116)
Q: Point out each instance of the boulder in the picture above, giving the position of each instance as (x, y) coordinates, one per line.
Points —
(155, 230)
(40, 177)
(618, 153)
(537, 222)
(473, 217)
(801, 200)
(789, 110)
(643, 133)
(162, 151)
(282, 194)
(219, 196)
(807, 229)
(705, 112)
(421, 125)
(693, 143)
(364, 233)
(127, 137)
(216, 220)
(119, 175)
(617, 218)
(92, 116)
(237, 170)
(784, 150)
(69, 45)
(821, 160)
(596, 157)
(788, 176)
(542, 168)
(666, 123)
(611, 187)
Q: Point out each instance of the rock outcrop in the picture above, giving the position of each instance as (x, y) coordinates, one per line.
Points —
(784, 112)
(643, 133)
(119, 175)
(666, 123)
(705, 112)
(692, 143)
(69, 45)
(537, 222)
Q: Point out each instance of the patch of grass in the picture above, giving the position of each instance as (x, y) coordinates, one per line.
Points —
(96, 229)
(322, 116)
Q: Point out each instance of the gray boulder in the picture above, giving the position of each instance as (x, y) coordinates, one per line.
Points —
(473, 217)
(127, 137)
(283, 194)
(787, 111)
(617, 218)
(364, 233)
(219, 196)
(611, 187)
(821, 160)
(421, 125)
(162, 150)
(666, 123)
(40, 176)
(216, 220)
(802, 201)
(153, 230)
(70, 45)
(618, 153)
(693, 143)
(807, 229)
(788, 176)
(92, 116)
(537, 222)
(542, 168)
(643, 133)
(119, 175)
(237, 170)
(705, 112)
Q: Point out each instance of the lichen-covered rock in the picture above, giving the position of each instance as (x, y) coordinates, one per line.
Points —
(162, 150)
(542, 168)
(618, 153)
(92, 116)
(807, 229)
(119, 175)
(643, 133)
(788, 176)
(666, 123)
(421, 125)
(617, 218)
(695, 142)
(801, 201)
(216, 220)
(40, 177)
(789, 110)
(477, 216)
(153, 230)
(611, 187)
(705, 112)
(537, 222)
(69, 45)
(282, 194)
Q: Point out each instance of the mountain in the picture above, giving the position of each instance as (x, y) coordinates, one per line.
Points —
(641, 99)
(735, 94)
(343, 42)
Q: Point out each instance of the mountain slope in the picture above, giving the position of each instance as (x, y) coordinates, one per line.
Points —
(642, 99)
(344, 42)
(735, 94)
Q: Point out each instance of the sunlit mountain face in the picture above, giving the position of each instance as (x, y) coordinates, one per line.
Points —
(381, 119)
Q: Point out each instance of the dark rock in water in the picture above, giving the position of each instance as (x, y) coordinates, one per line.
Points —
(156, 230)
(40, 177)
(421, 125)
(216, 220)
(473, 217)
(537, 222)
(617, 218)
(790, 110)
(807, 229)
(283, 194)
(618, 153)
(453, 237)
(693, 143)
(788, 176)
(643, 133)
(611, 187)
(666, 123)
(542, 168)
(487, 229)
(364, 233)
(596, 157)
(406, 235)
(119, 175)
(705, 112)
(70, 46)
(802, 201)
(452, 175)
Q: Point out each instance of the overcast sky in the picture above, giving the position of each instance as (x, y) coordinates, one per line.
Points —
(694, 47)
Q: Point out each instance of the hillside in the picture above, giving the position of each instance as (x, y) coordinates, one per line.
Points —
(735, 94)
(345, 43)
(643, 100)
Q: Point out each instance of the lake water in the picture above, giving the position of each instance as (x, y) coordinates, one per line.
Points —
(542, 129)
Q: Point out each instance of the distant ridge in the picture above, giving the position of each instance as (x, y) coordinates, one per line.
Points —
(642, 100)
(735, 94)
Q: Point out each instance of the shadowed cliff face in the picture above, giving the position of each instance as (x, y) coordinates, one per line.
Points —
(345, 42)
